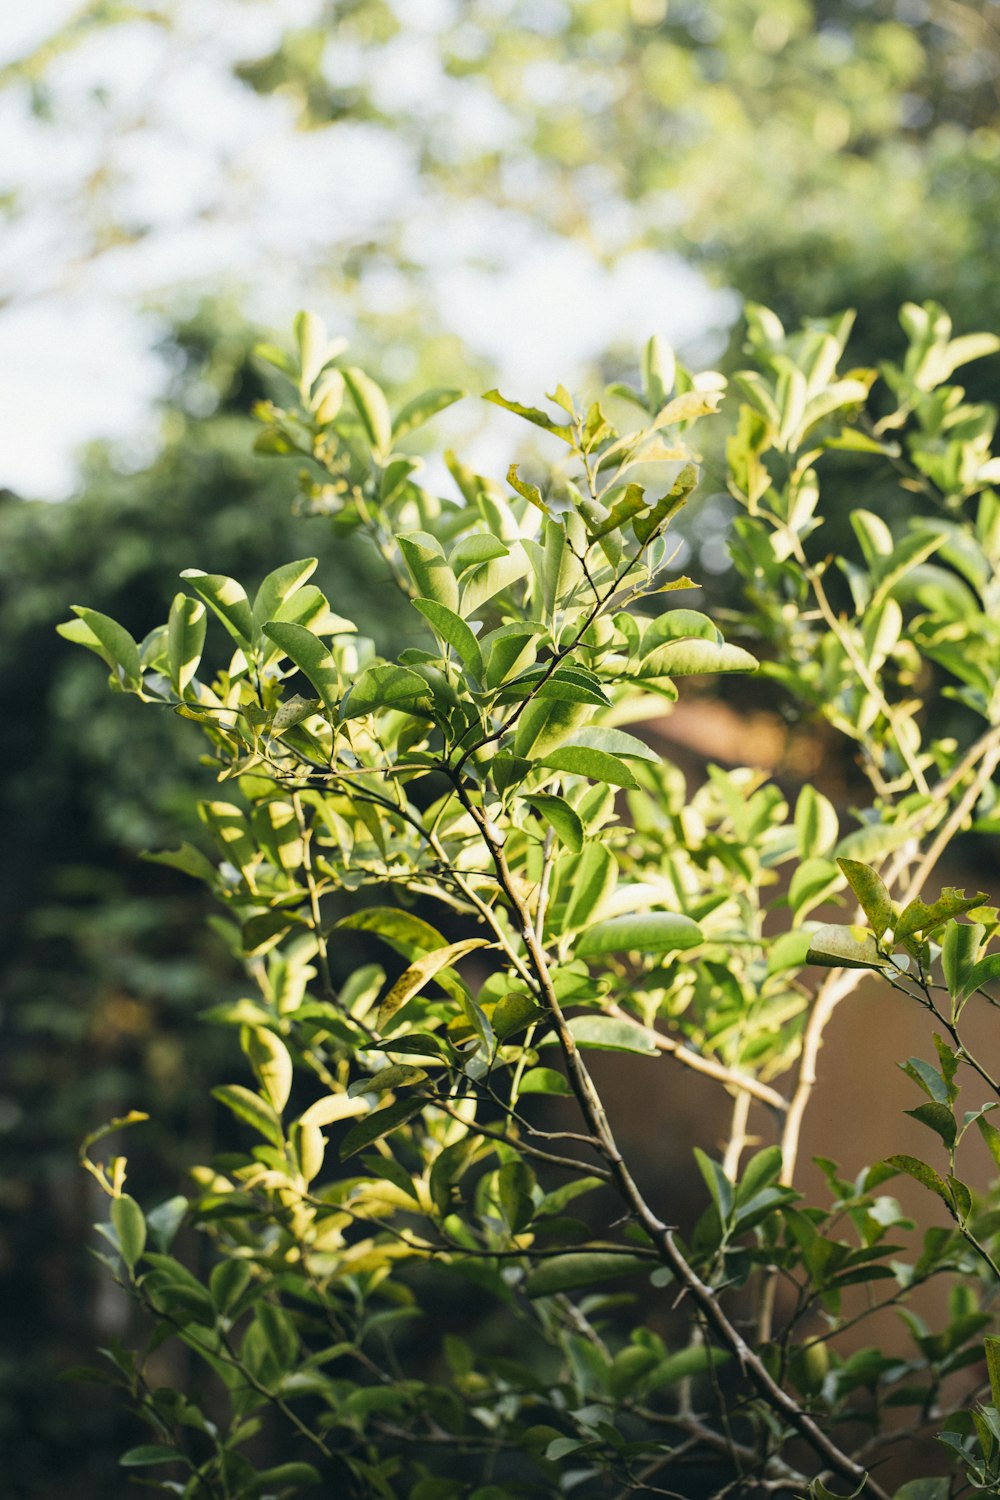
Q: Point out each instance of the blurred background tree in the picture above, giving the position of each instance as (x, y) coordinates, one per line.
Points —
(543, 182)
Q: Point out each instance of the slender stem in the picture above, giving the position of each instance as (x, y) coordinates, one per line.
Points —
(843, 636)
(838, 984)
(953, 823)
(305, 832)
(731, 1077)
(738, 1139)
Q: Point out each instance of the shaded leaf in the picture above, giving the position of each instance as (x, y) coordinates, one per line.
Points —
(376, 1125)
(610, 1034)
(565, 1273)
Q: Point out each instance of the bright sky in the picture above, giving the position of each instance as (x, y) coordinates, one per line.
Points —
(213, 185)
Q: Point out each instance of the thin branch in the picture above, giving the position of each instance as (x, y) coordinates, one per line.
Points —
(742, 1082)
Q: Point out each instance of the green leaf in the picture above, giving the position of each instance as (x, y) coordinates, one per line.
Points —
(577, 760)
(165, 1220)
(812, 883)
(187, 858)
(693, 657)
(185, 640)
(228, 600)
(285, 1477)
(921, 918)
(924, 1489)
(667, 506)
(613, 742)
(566, 1273)
(111, 641)
(924, 1174)
(149, 1453)
(563, 819)
(548, 1081)
(685, 1363)
(959, 947)
(547, 725)
(430, 570)
(816, 824)
(422, 408)
(372, 407)
(644, 932)
(490, 578)
(983, 972)
(272, 1063)
(477, 547)
(279, 586)
(407, 934)
(314, 347)
(718, 1184)
(594, 873)
(413, 979)
(789, 951)
(311, 657)
(376, 1125)
(937, 1117)
(332, 1108)
(760, 1171)
(819, 1491)
(870, 890)
(251, 1109)
(513, 1013)
(453, 629)
(991, 1346)
(532, 414)
(130, 1227)
(515, 1183)
(386, 687)
(991, 1135)
(839, 947)
(529, 492)
(610, 1034)
(659, 371)
(629, 503)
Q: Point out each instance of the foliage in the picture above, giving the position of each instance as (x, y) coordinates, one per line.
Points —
(106, 957)
(403, 1147)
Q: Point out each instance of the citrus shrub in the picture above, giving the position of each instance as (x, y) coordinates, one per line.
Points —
(528, 884)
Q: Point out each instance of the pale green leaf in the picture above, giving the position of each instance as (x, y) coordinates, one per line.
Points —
(420, 973)
(645, 932)
(228, 600)
(578, 760)
(185, 640)
(372, 407)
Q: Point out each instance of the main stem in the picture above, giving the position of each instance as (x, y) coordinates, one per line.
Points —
(659, 1233)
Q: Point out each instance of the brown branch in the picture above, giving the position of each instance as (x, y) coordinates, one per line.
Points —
(661, 1235)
